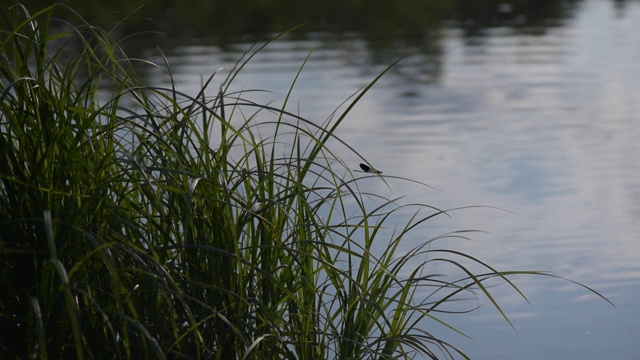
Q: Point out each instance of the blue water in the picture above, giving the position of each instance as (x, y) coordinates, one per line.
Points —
(544, 124)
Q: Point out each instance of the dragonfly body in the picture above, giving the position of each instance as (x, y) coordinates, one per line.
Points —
(369, 169)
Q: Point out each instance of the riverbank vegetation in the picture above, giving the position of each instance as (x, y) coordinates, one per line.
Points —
(140, 222)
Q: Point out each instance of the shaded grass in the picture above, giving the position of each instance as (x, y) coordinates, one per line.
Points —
(142, 222)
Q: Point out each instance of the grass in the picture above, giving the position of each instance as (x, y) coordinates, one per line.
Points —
(139, 222)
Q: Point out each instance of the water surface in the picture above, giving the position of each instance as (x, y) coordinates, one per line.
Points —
(543, 122)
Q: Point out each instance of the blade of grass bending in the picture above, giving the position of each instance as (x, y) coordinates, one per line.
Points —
(283, 109)
(242, 62)
(484, 290)
(576, 283)
(255, 343)
(329, 133)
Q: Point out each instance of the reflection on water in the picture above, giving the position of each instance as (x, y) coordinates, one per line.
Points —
(542, 123)
(380, 23)
(529, 111)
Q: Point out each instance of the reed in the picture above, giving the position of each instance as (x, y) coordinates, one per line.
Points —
(139, 222)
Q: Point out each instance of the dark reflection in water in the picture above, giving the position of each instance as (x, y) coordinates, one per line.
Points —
(380, 19)
(383, 25)
(389, 30)
(531, 106)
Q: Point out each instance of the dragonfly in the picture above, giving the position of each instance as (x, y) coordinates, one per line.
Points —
(368, 169)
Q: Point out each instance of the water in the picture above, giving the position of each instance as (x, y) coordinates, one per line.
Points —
(544, 123)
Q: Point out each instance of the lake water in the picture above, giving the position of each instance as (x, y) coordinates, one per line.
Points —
(543, 123)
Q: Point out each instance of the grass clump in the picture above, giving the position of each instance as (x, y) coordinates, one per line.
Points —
(142, 222)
